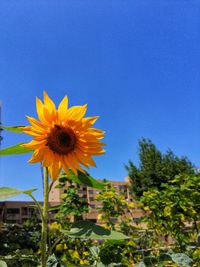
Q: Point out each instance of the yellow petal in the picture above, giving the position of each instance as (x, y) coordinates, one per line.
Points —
(85, 159)
(89, 144)
(87, 122)
(35, 144)
(38, 126)
(49, 104)
(48, 159)
(76, 113)
(72, 158)
(39, 108)
(65, 167)
(92, 151)
(96, 131)
(55, 168)
(70, 165)
(37, 156)
(48, 116)
(62, 108)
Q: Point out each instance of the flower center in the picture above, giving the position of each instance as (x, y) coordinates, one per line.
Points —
(61, 140)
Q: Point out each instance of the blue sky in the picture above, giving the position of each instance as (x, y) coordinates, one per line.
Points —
(135, 63)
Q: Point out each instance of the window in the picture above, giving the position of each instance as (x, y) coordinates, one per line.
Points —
(31, 211)
(92, 220)
(91, 198)
(80, 191)
(114, 220)
(121, 187)
(24, 211)
(92, 206)
(13, 211)
(53, 211)
(91, 192)
(12, 221)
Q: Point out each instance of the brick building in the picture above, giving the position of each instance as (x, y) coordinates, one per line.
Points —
(20, 211)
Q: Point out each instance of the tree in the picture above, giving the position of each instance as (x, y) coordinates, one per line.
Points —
(155, 168)
(175, 210)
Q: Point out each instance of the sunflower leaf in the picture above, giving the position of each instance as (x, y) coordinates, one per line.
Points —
(90, 230)
(84, 179)
(181, 259)
(3, 264)
(8, 192)
(16, 149)
(15, 129)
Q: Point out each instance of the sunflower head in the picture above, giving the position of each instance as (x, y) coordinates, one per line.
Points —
(63, 137)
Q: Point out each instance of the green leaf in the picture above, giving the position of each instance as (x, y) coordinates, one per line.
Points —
(15, 129)
(7, 192)
(141, 264)
(150, 260)
(94, 251)
(16, 149)
(56, 207)
(52, 261)
(181, 259)
(89, 230)
(3, 264)
(84, 179)
(164, 256)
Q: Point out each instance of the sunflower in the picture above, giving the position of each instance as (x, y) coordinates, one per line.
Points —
(63, 138)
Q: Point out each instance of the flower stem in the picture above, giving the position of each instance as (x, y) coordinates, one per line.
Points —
(45, 218)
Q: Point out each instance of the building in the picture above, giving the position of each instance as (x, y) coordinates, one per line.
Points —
(20, 211)
(90, 194)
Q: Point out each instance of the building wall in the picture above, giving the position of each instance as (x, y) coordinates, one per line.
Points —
(90, 194)
(20, 211)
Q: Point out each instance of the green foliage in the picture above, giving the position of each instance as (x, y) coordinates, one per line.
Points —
(112, 205)
(71, 204)
(83, 179)
(181, 259)
(15, 129)
(155, 167)
(175, 206)
(164, 259)
(90, 230)
(3, 264)
(20, 244)
(13, 150)
(111, 252)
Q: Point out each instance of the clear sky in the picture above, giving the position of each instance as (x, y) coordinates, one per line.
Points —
(135, 63)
